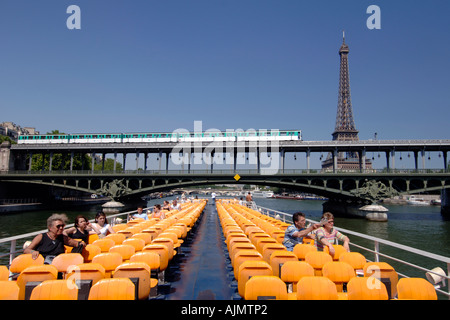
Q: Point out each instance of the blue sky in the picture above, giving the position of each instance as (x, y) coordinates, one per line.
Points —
(159, 65)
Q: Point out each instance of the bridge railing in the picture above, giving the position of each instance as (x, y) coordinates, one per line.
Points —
(388, 246)
(225, 171)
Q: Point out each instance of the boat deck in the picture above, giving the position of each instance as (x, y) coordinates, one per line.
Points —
(201, 269)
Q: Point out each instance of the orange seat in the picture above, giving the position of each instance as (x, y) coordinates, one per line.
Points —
(261, 242)
(90, 251)
(55, 290)
(316, 288)
(113, 289)
(92, 238)
(141, 272)
(293, 271)
(415, 289)
(109, 261)
(118, 227)
(249, 269)
(63, 261)
(35, 274)
(151, 258)
(385, 273)
(242, 256)
(265, 288)
(355, 259)
(144, 236)
(4, 273)
(338, 272)
(338, 250)
(270, 248)
(169, 245)
(366, 288)
(24, 261)
(237, 246)
(278, 258)
(9, 290)
(104, 244)
(137, 243)
(302, 249)
(86, 271)
(118, 238)
(162, 251)
(125, 250)
(317, 259)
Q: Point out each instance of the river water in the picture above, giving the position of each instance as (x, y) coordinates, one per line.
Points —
(421, 227)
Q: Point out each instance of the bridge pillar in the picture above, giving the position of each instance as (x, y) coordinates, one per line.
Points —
(444, 154)
(445, 201)
(308, 159)
(6, 161)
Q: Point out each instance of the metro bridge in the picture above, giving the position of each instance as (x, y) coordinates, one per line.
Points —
(361, 184)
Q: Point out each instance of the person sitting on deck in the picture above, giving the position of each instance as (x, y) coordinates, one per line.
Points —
(295, 232)
(82, 229)
(328, 235)
(157, 213)
(101, 223)
(51, 243)
(140, 214)
(175, 205)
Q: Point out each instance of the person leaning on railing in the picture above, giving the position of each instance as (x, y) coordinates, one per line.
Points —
(327, 235)
(51, 243)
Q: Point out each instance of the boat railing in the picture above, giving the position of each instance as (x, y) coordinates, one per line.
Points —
(377, 245)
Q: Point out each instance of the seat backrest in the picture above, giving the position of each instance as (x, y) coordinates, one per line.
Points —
(137, 243)
(144, 236)
(35, 274)
(278, 258)
(24, 261)
(162, 251)
(90, 251)
(249, 269)
(86, 271)
(152, 259)
(9, 290)
(265, 288)
(125, 250)
(104, 244)
(139, 271)
(55, 290)
(118, 238)
(270, 248)
(4, 273)
(338, 272)
(317, 259)
(316, 288)
(293, 271)
(113, 289)
(385, 273)
(366, 288)
(242, 256)
(338, 250)
(416, 289)
(168, 243)
(355, 259)
(302, 249)
(109, 261)
(65, 260)
(260, 243)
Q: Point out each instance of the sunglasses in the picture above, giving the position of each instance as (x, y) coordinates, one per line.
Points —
(60, 226)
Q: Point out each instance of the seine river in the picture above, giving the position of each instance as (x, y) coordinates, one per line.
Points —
(421, 227)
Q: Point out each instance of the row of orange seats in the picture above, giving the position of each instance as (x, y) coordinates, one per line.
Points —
(253, 253)
(141, 252)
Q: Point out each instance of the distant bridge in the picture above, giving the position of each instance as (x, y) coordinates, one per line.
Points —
(16, 164)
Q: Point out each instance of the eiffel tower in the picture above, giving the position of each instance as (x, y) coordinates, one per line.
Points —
(345, 129)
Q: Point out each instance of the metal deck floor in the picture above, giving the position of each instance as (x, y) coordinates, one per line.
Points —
(201, 272)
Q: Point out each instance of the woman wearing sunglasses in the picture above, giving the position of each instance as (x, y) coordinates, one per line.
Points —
(51, 243)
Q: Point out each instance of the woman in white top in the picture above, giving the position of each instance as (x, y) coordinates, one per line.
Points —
(101, 224)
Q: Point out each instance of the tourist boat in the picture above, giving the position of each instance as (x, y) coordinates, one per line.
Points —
(262, 194)
(413, 200)
(221, 251)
